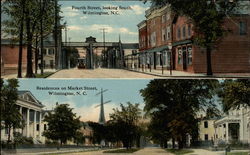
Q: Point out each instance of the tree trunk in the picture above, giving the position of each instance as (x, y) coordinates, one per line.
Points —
(209, 62)
(41, 34)
(57, 59)
(9, 129)
(29, 71)
(20, 56)
(36, 55)
(173, 143)
(180, 143)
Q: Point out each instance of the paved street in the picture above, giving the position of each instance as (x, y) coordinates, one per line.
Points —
(99, 73)
(145, 151)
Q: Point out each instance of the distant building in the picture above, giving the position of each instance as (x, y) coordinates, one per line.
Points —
(206, 130)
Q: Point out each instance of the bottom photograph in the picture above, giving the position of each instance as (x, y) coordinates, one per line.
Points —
(82, 117)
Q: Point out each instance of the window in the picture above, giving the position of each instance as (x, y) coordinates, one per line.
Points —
(189, 30)
(168, 16)
(37, 127)
(45, 127)
(206, 137)
(163, 35)
(205, 124)
(51, 51)
(179, 33)
(243, 28)
(168, 33)
(153, 39)
(6, 131)
(44, 52)
(169, 58)
(190, 56)
(184, 32)
(179, 56)
(163, 18)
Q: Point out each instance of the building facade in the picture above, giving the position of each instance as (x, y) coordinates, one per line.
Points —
(166, 40)
(235, 126)
(31, 110)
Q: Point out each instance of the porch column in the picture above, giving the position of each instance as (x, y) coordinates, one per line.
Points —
(28, 123)
(21, 112)
(40, 125)
(34, 125)
(227, 130)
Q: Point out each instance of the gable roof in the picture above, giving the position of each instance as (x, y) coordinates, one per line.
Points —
(23, 92)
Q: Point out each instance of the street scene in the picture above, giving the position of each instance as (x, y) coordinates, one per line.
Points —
(172, 117)
(153, 39)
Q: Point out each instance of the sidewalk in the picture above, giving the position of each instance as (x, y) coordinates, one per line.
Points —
(175, 73)
(207, 152)
(11, 76)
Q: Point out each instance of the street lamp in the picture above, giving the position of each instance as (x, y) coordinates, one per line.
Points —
(170, 49)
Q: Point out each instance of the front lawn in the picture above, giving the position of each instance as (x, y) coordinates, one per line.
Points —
(179, 152)
(122, 151)
(45, 75)
(237, 153)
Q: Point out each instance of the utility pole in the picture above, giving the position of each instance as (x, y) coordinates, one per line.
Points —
(1, 75)
(106, 56)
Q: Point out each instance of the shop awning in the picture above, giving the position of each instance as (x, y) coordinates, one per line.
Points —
(182, 42)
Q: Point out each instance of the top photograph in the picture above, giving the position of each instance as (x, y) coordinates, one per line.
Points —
(140, 39)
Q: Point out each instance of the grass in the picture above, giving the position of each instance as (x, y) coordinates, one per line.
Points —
(45, 75)
(237, 153)
(179, 152)
(122, 151)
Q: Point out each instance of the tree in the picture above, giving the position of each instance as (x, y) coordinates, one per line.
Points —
(207, 17)
(9, 110)
(175, 103)
(62, 124)
(72, 57)
(124, 122)
(235, 93)
(26, 23)
(79, 138)
(98, 132)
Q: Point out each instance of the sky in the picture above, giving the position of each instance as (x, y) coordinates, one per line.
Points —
(119, 91)
(84, 25)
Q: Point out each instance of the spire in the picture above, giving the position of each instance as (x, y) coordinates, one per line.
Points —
(102, 116)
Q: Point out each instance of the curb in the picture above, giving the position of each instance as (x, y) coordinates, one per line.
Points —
(201, 77)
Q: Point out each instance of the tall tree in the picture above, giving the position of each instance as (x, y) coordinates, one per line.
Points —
(24, 24)
(63, 124)
(176, 104)
(235, 93)
(125, 122)
(10, 113)
(208, 17)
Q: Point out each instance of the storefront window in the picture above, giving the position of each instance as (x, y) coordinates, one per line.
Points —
(179, 56)
(190, 56)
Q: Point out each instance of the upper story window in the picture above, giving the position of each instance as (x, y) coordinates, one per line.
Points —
(51, 51)
(205, 124)
(179, 33)
(189, 30)
(163, 35)
(168, 33)
(243, 28)
(168, 16)
(184, 32)
(163, 18)
(153, 39)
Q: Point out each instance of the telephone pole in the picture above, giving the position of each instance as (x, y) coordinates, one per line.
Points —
(106, 55)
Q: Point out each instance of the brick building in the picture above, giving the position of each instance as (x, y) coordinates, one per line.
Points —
(167, 39)
(10, 54)
(232, 54)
